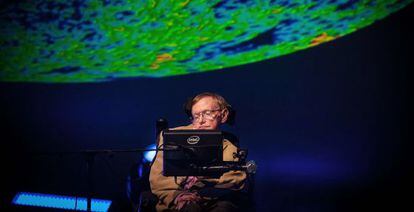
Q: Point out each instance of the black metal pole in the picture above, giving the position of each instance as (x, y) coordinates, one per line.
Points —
(90, 158)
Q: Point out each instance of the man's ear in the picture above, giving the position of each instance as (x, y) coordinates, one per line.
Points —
(224, 116)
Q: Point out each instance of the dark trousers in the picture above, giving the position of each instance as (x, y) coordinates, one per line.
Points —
(221, 200)
(211, 206)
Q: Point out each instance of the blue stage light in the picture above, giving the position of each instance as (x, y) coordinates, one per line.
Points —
(59, 201)
(149, 155)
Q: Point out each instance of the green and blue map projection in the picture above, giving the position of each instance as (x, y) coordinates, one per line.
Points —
(58, 41)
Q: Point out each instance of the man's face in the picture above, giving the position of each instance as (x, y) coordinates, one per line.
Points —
(206, 114)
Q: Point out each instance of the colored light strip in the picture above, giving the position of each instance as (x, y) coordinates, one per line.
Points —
(59, 201)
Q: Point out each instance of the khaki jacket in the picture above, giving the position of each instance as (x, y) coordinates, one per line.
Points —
(167, 188)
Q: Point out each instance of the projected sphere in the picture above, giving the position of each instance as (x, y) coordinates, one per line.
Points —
(101, 40)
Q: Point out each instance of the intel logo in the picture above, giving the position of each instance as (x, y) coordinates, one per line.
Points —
(193, 139)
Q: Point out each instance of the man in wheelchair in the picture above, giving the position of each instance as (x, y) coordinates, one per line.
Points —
(208, 111)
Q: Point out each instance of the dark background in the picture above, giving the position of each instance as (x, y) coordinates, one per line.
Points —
(328, 126)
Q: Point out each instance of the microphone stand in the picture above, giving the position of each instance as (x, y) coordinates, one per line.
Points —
(90, 159)
(89, 156)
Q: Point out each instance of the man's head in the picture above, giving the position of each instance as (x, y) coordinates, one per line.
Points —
(208, 111)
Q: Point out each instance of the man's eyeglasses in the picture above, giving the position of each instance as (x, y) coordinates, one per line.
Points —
(207, 114)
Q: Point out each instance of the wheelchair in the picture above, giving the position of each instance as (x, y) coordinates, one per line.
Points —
(143, 200)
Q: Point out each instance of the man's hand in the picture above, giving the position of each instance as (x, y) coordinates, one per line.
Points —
(191, 180)
(185, 198)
